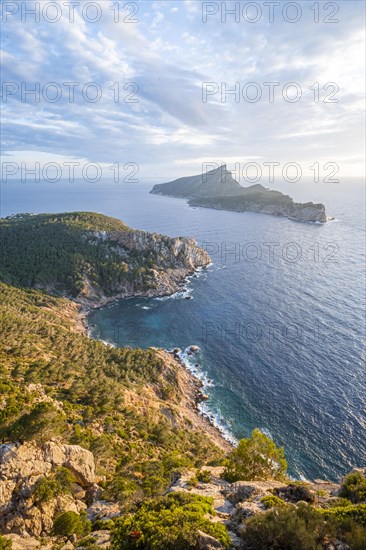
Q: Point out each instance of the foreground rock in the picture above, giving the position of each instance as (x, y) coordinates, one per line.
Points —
(21, 466)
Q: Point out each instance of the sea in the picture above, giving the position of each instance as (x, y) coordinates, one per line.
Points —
(279, 315)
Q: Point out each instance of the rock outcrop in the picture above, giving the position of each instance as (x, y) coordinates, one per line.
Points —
(21, 466)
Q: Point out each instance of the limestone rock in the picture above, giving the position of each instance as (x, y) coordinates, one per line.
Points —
(206, 542)
(23, 543)
(103, 510)
(21, 466)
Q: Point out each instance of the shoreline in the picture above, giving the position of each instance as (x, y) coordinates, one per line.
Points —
(192, 384)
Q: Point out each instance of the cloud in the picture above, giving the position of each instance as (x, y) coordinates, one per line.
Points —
(162, 61)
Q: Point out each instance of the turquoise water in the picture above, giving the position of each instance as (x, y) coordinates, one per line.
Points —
(279, 315)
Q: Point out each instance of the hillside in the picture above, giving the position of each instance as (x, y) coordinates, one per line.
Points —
(93, 258)
(218, 189)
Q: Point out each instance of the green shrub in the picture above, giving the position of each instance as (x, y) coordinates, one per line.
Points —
(355, 536)
(255, 458)
(40, 424)
(71, 523)
(336, 503)
(168, 523)
(287, 528)
(354, 488)
(88, 542)
(341, 514)
(46, 489)
(270, 501)
(59, 483)
(103, 525)
(204, 476)
(5, 544)
(192, 482)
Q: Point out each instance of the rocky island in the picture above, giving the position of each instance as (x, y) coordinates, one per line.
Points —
(218, 189)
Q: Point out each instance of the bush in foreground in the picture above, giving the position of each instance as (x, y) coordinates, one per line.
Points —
(354, 488)
(303, 527)
(168, 523)
(71, 523)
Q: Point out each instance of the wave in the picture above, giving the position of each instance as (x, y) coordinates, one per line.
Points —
(216, 419)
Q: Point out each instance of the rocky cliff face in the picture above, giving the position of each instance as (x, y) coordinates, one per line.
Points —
(168, 262)
(218, 189)
(93, 259)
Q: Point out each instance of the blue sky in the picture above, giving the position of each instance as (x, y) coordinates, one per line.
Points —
(168, 54)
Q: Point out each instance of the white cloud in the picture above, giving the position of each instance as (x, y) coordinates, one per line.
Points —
(169, 57)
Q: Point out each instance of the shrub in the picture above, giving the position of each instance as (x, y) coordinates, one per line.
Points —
(354, 488)
(336, 503)
(355, 536)
(71, 523)
(270, 501)
(88, 542)
(43, 422)
(192, 482)
(168, 523)
(288, 528)
(255, 458)
(103, 525)
(47, 488)
(204, 476)
(343, 514)
(5, 544)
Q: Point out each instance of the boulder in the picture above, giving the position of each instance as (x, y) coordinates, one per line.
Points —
(294, 493)
(103, 510)
(206, 542)
(81, 463)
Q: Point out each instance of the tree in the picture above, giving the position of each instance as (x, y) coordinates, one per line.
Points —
(255, 458)
(43, 422)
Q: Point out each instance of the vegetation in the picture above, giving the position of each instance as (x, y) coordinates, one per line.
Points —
(255, 458)
(271, 501)
(304, 527)
(168, 523)
(203, 476)
(5, 544)
(67, 254)
(354, 487)
(55, 381)
(71, 523)
(61, 482)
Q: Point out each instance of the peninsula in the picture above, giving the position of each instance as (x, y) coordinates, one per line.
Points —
(218, 189)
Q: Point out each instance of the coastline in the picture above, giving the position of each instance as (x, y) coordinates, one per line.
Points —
(191, 384)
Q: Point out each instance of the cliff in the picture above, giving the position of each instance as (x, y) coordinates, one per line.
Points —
(218, 189)
(93, 259)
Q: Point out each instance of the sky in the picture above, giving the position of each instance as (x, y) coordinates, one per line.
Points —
(143, 84)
